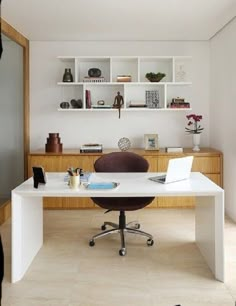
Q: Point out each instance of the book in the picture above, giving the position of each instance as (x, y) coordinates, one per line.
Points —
(91, 148)
(179, 105)
(123, 78)
(94, 80)
(88, 98)
(173, 149)
(101, 106)
(101, 185)
(138, 105)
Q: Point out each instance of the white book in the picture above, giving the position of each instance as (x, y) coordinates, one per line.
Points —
(174, 149)
(92, 147)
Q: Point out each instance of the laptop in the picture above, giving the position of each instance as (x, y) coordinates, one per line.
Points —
(178, 169)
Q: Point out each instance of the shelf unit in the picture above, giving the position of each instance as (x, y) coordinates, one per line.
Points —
(176, 83)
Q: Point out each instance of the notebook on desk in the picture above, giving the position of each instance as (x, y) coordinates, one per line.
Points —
(178, 169)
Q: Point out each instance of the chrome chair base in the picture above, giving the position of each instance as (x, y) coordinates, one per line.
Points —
(131, 227)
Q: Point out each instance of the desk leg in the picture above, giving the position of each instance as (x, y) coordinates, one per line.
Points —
(209, 232)
(27, 233)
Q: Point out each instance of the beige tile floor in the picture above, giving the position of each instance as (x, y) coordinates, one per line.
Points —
(67, 272)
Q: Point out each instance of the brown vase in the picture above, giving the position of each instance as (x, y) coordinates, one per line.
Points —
(53, 144)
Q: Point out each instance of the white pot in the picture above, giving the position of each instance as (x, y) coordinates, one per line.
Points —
(196, 142)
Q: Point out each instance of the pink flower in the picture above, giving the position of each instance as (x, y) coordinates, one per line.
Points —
(193, 119)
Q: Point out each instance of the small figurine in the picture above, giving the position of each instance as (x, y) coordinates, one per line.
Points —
(118, 102)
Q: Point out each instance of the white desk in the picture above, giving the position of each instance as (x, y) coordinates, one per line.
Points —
(27, 212)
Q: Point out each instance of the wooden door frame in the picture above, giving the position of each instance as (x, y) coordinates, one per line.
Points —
(17, 37)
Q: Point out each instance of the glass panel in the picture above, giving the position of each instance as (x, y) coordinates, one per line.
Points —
(11, 118)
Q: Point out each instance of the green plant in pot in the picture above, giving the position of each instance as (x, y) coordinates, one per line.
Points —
(155, 77)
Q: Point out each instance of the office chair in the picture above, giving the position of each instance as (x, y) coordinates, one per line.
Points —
(122, 162)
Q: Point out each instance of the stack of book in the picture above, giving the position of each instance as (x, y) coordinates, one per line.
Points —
(173, 149)
(91, 148)
(137, 104)
(179, 103)
(123, 78)
(94, 80)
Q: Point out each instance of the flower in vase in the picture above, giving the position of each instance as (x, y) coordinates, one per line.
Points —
(193, 124)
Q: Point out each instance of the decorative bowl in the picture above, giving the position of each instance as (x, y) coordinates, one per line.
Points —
(65, 105)
(155, 77)
(94, 72)
(76, 103)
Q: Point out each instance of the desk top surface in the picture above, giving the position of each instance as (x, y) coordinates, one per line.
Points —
(130, 185)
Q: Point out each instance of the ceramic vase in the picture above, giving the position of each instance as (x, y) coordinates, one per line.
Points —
(196, 142)
(67, 77)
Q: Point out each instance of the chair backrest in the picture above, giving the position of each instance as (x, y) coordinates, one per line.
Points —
(121, 162)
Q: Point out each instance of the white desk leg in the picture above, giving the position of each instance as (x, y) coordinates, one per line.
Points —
(209, 232)
(27, 233)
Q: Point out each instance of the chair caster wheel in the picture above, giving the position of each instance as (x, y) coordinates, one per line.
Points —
(122, 252)
(91, 243)
(150, 242)
(103, 227)
(137, 226)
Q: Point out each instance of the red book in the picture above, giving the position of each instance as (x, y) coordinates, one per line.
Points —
(88, 98)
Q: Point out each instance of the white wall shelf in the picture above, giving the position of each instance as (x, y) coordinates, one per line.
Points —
(176, 83)
(131, 109)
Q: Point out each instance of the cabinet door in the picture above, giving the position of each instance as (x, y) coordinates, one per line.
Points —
(152, 160)
(49, 163)
(84, 162)
(172, 201)
(207, 164)
(61, 164)
(81, 161)
(216, 178)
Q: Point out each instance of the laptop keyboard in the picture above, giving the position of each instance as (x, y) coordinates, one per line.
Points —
(159, 178)
(162, 179)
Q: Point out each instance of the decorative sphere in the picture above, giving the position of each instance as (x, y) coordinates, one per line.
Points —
(124, 144)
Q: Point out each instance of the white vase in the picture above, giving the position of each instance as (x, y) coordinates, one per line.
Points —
(196, 142)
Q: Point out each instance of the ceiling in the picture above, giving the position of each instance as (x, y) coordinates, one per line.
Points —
(144, 20)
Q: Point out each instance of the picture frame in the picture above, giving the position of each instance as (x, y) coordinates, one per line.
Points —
(151, 142)
(39, 176)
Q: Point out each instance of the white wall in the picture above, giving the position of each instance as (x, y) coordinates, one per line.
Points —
(11, 118)
(223, 107)
(105, 127)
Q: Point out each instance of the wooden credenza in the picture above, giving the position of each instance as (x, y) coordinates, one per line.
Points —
(208, 161)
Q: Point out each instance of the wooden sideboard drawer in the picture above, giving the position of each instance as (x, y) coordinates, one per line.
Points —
(207, 164)
(216, 178)
(200, 164)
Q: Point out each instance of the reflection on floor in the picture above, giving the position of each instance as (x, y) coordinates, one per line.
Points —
(68, 272)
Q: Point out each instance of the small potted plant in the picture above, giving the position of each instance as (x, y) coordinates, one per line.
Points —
(155, 77)
(194, 128)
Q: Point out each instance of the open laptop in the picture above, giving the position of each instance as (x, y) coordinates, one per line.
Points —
(178, 169)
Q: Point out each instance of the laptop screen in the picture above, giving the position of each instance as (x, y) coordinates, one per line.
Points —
(179, 169)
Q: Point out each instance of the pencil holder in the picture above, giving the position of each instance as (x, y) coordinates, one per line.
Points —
(74, 181)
